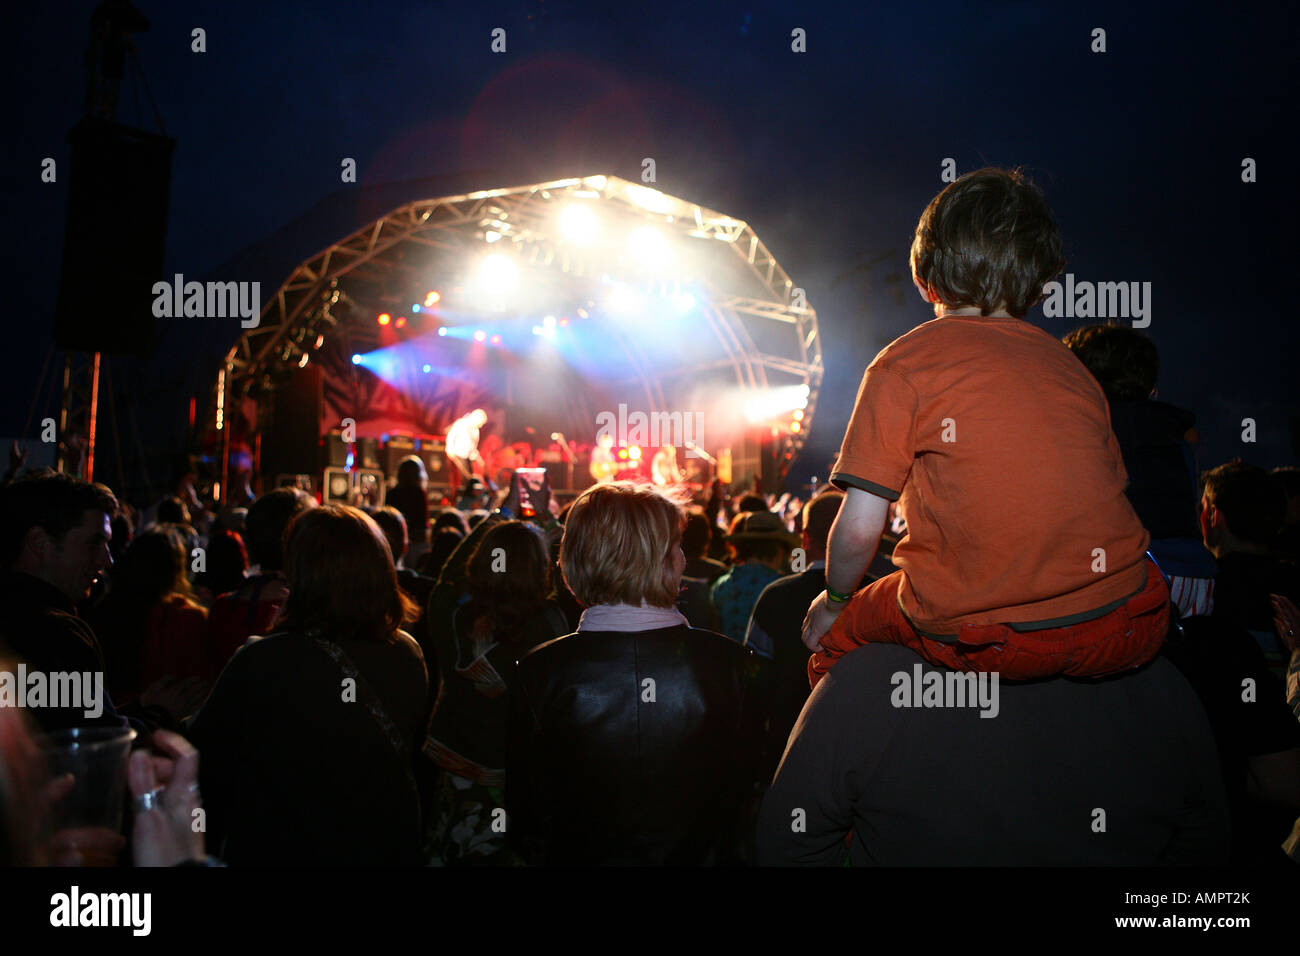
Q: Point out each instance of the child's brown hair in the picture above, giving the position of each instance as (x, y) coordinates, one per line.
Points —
(988, 239)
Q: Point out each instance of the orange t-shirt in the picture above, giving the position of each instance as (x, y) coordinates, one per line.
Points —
(999, 441)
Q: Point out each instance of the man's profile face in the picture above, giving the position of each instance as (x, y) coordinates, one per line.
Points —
(74, 562)
(1210, 527)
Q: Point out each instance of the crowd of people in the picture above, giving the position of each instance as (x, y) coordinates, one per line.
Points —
(626, 679)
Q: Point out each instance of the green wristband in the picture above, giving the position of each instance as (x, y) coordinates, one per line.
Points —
(837, 597)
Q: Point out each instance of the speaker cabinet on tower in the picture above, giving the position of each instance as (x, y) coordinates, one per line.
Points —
(118, 191)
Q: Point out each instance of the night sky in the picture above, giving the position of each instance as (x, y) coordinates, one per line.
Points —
(830, 154)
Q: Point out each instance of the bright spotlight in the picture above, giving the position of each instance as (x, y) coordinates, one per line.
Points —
(356, 359)
(496, 340)
(306, 357)
(798, 415)
(578, 223)
(683, 302)
(443, 330)
(625, 299)
(427, 369)
(770, 403)
(432, 299)
(480, 336)
(498, 272)
(384, 318)
(634, 452)
(649, 246)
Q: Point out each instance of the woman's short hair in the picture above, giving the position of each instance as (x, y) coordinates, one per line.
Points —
(341, 576)
(617, 539)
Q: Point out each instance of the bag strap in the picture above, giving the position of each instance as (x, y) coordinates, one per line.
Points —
(370, 700)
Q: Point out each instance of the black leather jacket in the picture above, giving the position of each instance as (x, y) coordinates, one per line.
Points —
(632, 748)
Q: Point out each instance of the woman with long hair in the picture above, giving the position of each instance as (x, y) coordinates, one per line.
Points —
(149, 624)
(490, 607)
(310, 735)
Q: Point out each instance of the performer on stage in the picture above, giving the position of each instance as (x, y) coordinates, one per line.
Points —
(603, 465)
(663, 467)
(462, 442)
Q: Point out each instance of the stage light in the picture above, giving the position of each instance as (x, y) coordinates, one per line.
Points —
(302, 362)
(427, 369)
(443, 330)
(649, 245)
(496, 281)
(795, 426)
(496, 340)
(480, 336)
(634, 452)
(384, 318)
(582, 314)
(320, 340)
(401, 322)
(491, 235)
(622, 454)
(578, 223)
(415, 307)
(564, 323)
(432, 299)
(547, 328)
(625, 300)
(356, 360)
(770, 403)
(798, 415)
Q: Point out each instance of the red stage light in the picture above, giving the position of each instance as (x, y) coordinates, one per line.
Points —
(384, 318)
(401, 321)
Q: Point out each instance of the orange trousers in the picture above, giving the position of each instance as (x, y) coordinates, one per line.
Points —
(1123, 639)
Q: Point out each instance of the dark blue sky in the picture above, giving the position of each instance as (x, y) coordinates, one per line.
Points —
(830, 155)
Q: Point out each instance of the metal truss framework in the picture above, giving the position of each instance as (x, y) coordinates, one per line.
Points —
(78, 414)
(300, 306)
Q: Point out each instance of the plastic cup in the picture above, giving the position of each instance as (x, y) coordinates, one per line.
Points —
(96, 757)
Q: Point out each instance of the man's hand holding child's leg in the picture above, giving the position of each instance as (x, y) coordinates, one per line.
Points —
(822, 613)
